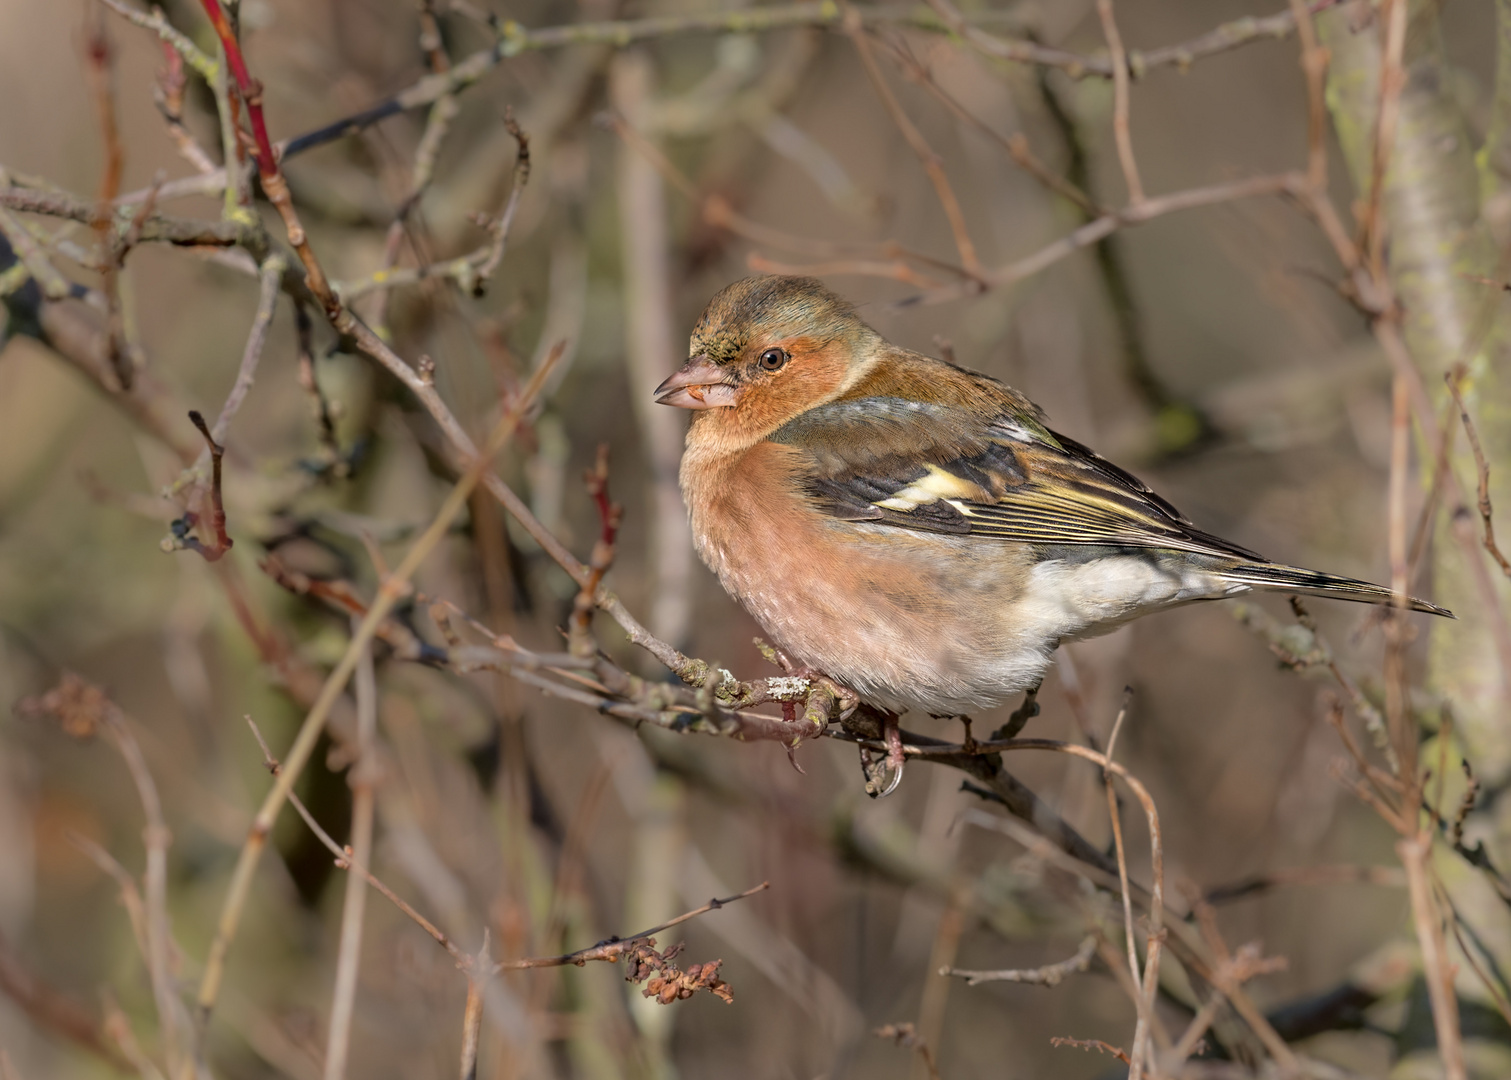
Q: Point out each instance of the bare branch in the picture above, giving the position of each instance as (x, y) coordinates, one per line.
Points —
(1050, 975)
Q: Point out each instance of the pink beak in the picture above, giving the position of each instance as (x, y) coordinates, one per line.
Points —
(697, 384)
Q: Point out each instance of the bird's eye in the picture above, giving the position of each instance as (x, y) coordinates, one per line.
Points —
(773, 359)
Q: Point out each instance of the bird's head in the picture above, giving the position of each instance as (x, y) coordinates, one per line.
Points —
(767, 349)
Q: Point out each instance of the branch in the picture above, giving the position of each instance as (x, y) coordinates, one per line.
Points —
(1120, 132)
(1050, 975)
(271, 280)
(616, 948)
(389, 593)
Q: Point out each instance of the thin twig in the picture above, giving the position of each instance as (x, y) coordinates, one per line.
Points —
(54, 285)
(1482, 471)
(500, 228)
(1371, 241)
(389, 593)
(920, 146)
(203, 63)
(1015, 144)
(1120, 133)
(53, 1012)
(1437, 971)
(611, 949)
(1220, 39)
(349, 952)
(271, 277)
(1050, 975)
(472, 1015)
(344, 860)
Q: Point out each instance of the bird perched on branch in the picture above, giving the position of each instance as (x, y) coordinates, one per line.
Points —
(912, 530)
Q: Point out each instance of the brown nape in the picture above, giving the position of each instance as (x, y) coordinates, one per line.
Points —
(772, 308)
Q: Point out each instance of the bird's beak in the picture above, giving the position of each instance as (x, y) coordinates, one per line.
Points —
(697, 384)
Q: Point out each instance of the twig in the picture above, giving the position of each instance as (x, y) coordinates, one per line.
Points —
(906, 1036)
(1144, 999)
(647, 275)
(1314, 65)
(1050, 975)
(51, 1011)
(157, 228)
(500, 228)
(271, 277)
(1015, 144)
(220, 540)
(472, 1015)
(1388, 876)
(580, 633)
(101, 69)
(1221, 39)
(1437, 971)
(349, 953)
(304, 744)
(1120, 131)
(203, 64)
(1092, 1044)
(1232, 969)
(344, 859)
(717, 211)
(920, 146)
(1482, 470)
(83, 710)
(612, 949)
(30, 254)
(1371, 238)
(168, 96)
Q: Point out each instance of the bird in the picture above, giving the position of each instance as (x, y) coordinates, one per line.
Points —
(914, 531)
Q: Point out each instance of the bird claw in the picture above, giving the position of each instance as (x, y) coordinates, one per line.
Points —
(878, 785)
(875, 768)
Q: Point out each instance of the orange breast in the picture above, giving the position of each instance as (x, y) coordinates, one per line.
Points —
(873, 606)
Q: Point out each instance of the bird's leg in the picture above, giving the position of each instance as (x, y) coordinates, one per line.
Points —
(967, 744)
(891, 735)
(1021, 715)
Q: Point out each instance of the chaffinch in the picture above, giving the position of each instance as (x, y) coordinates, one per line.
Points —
(912, 530)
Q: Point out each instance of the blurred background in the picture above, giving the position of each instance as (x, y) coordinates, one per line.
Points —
(1206, 350)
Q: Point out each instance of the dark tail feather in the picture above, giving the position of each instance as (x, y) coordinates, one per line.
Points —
(1311, 583)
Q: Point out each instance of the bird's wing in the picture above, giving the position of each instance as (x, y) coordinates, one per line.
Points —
(943, 469)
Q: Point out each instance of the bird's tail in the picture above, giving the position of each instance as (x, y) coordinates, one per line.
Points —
(1313, 583)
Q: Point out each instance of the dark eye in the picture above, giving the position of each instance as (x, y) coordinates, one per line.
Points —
(773, 359)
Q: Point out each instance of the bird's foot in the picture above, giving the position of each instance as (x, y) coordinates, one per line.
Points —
(1020, 716)
(876, 769)
(845, 699)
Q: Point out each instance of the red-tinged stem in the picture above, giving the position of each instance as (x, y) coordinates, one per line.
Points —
(250, 88)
